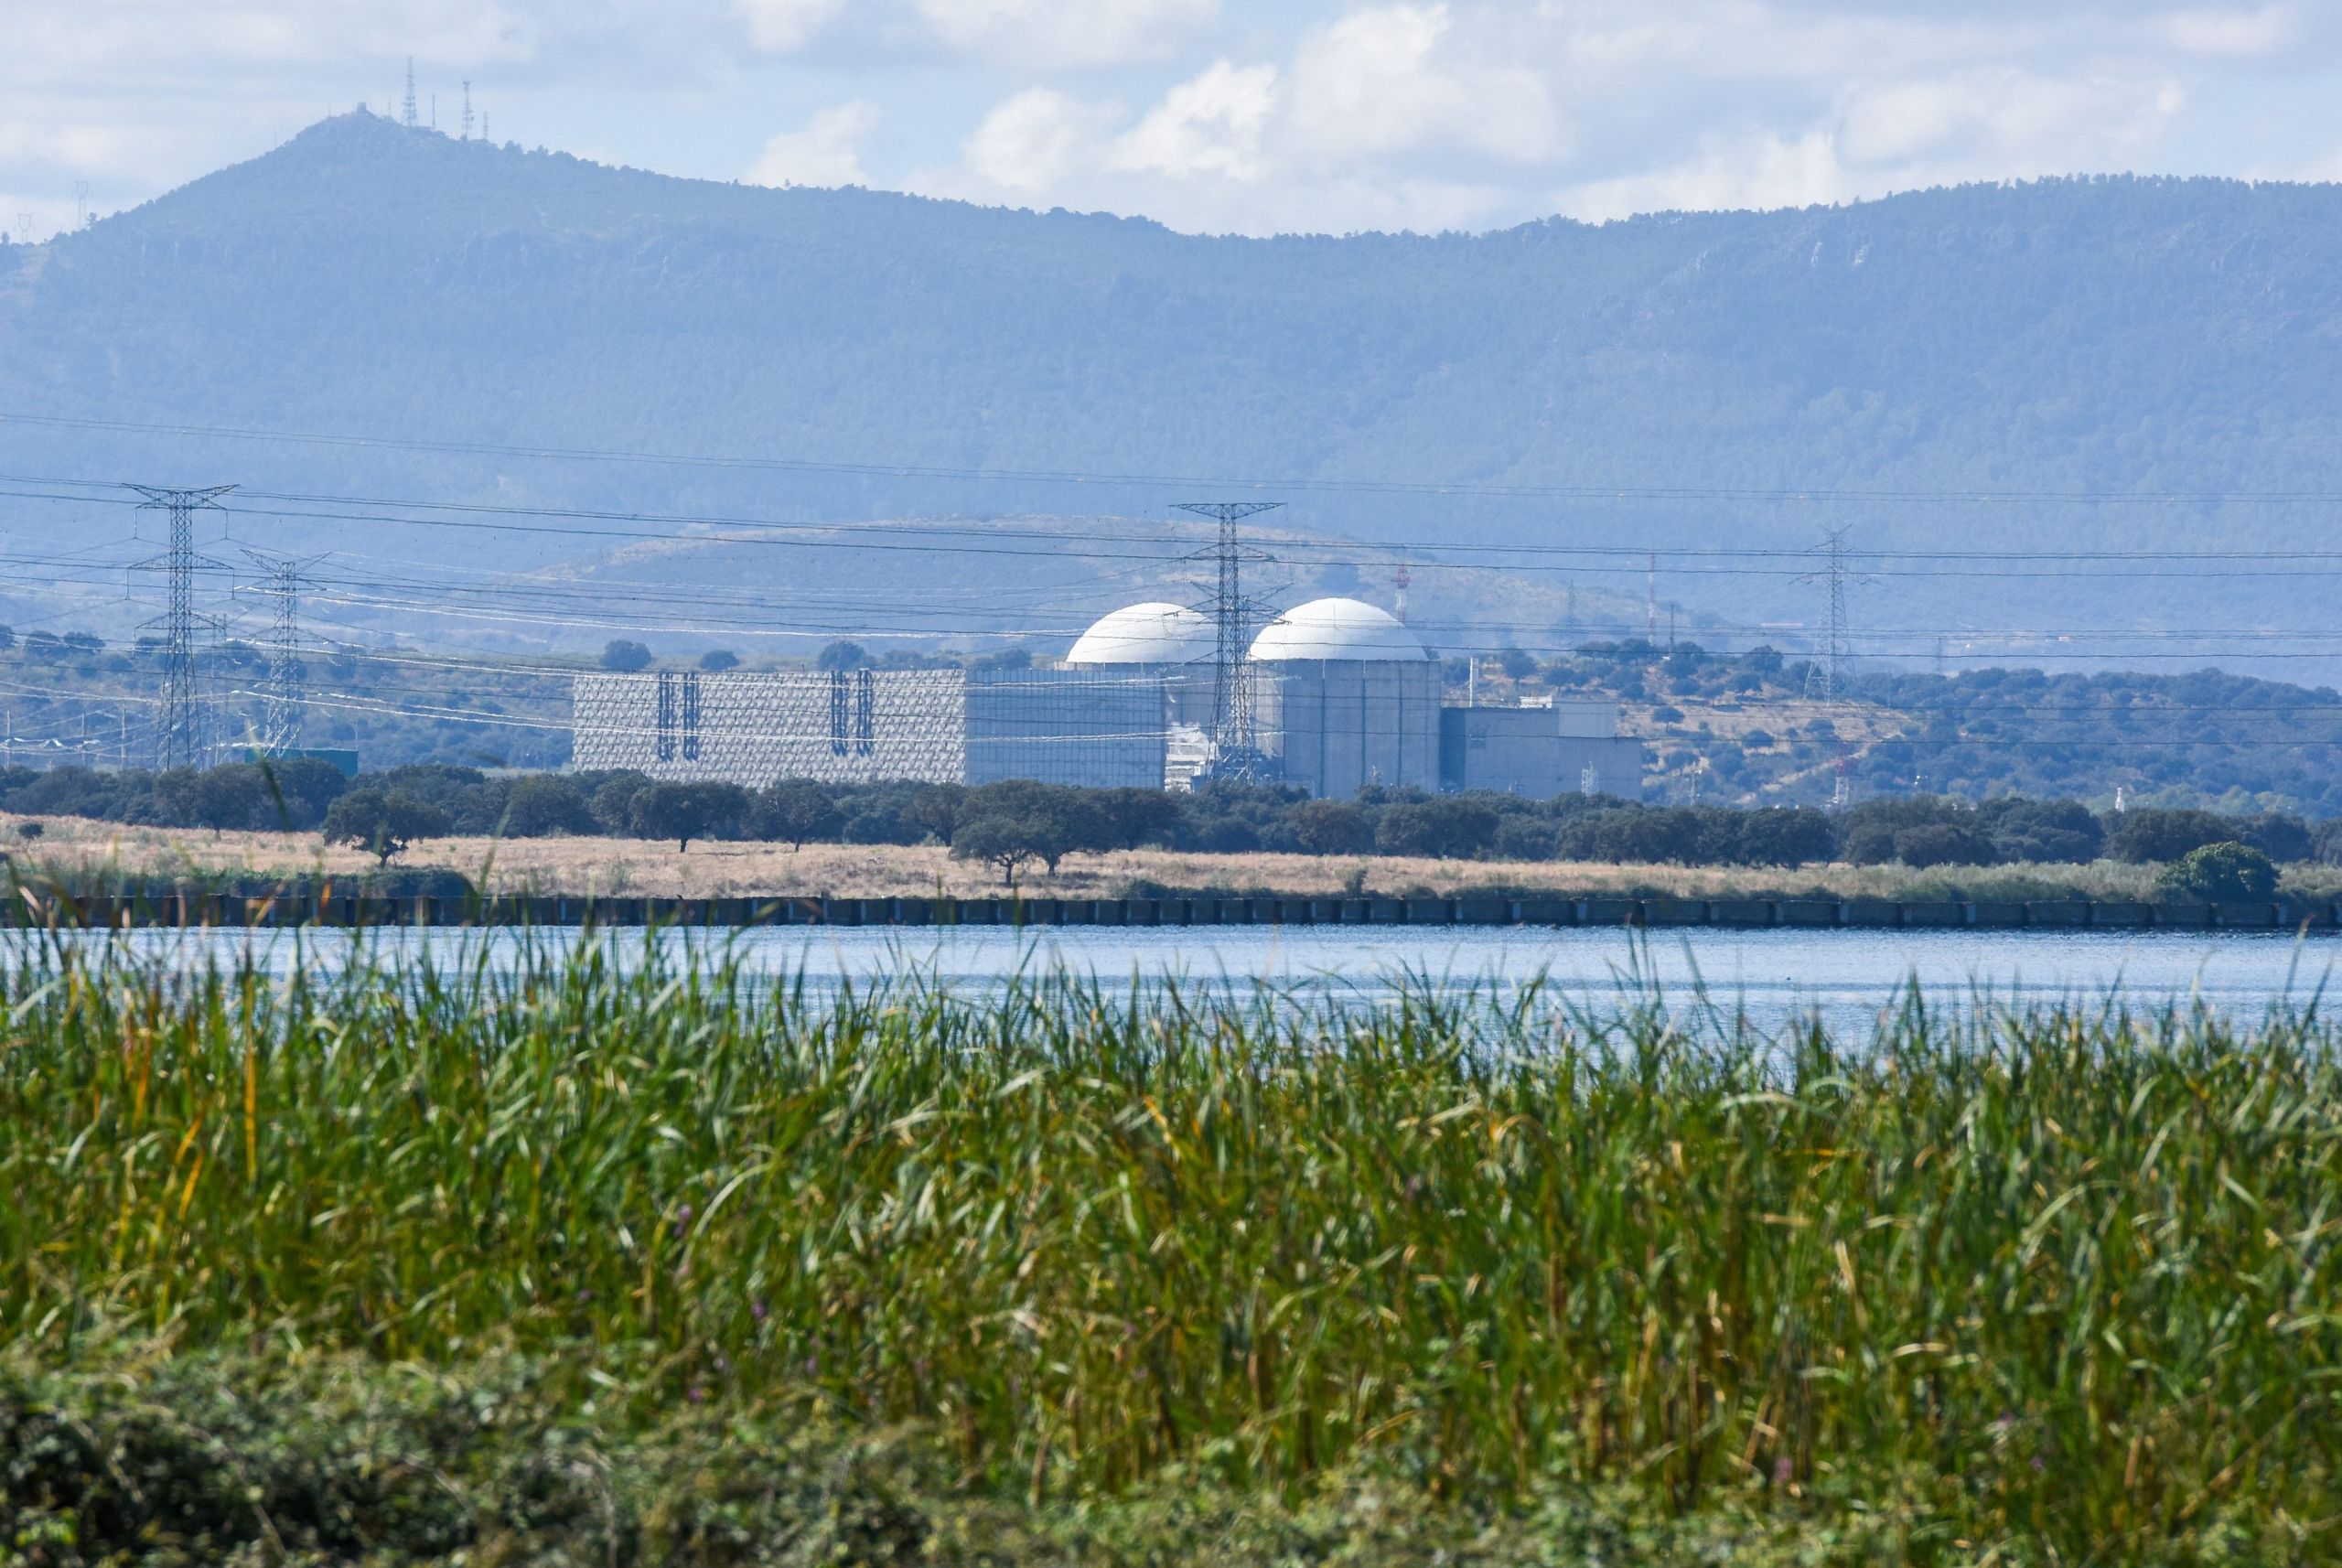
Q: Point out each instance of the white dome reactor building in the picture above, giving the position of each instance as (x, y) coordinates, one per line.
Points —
(1347, 696)
(1171, 648)
(1154, 633)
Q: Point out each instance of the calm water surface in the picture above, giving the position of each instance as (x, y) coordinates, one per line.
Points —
(1772, 976)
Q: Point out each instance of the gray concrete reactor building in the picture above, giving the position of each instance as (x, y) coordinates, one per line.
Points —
(1347, 696)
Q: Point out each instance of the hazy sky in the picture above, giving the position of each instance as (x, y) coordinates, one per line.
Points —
(1210, 114)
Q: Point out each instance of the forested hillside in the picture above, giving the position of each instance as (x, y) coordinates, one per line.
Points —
(1637, 381)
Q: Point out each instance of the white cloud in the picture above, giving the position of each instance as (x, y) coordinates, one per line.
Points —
(1323, 115)
(2235, 34)
(2003, 115)
(1067, 33)
(1385, 79)
(1034, 141)
(1211, 123)
(826, 151)
(779, 27)
(1763, 171)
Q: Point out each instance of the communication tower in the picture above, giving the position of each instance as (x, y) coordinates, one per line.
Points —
(1235, 728)
(467, 112)
(407, 119)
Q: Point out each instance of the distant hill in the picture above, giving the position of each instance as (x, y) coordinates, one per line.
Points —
(2086, 338)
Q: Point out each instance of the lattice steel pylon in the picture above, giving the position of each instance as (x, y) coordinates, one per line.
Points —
(182, 739)
(1235, 727)
(1826, 676)
(284, 695)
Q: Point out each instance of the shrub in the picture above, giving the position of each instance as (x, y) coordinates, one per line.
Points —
(1017, 820)
(794, 812)
(2045, 831)
(717, 660)
(1785, 836)
(382, 823)
(1648, 838)
(1522, 837)
(842, 655)
(2219, 872)
(686, 812)
(625, 657)
(1331, 827)
(937, 809)
(2147, 835)
(1942, 844)
(1134, 817)
(1448, 830)
(547, 804)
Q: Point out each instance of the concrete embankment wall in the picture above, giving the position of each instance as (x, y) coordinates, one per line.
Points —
(1743, 914)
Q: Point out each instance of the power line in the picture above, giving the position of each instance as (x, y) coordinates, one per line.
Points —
(882, 469)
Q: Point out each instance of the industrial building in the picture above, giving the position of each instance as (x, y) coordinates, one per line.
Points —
(1097, 728)
(1175, 647)
(1539, 752)
(1342, 696)
(1347, 696)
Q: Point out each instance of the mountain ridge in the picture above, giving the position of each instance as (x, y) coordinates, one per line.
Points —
(2105, 336)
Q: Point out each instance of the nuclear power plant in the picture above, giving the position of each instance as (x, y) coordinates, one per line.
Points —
(1336, 695)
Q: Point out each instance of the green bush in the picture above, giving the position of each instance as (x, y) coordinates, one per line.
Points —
(2219, 872)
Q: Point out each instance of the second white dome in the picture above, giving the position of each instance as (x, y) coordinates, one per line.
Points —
(1337, 628)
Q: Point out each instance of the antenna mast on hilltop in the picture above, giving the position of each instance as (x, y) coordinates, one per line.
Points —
(181, 742)
(407, 119)
(467, 112)
(1235, 729)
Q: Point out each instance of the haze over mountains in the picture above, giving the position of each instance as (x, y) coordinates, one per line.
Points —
(1680, 383)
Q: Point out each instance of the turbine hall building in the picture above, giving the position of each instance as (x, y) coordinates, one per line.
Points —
(1097, 728)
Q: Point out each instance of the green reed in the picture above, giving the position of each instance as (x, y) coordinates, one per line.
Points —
(2059, 1277)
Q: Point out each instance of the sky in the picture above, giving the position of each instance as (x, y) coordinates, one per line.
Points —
(1252, 116)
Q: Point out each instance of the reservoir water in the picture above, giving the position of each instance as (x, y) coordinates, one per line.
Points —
(1772, 977)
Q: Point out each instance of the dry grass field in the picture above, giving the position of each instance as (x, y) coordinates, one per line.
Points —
(635, 867)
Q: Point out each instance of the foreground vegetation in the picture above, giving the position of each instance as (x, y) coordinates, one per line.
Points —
(619, 1253)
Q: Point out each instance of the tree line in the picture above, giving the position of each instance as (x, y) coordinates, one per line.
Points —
(1016, 824)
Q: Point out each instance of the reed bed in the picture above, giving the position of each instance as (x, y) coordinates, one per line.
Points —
(2059, 1285)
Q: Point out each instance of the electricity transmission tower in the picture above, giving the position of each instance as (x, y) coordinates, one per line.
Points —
(181, 740)
(283, 698)
(1826, 676)
(1235, 727)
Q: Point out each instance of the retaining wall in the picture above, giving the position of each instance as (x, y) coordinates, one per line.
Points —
(1558, 910)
